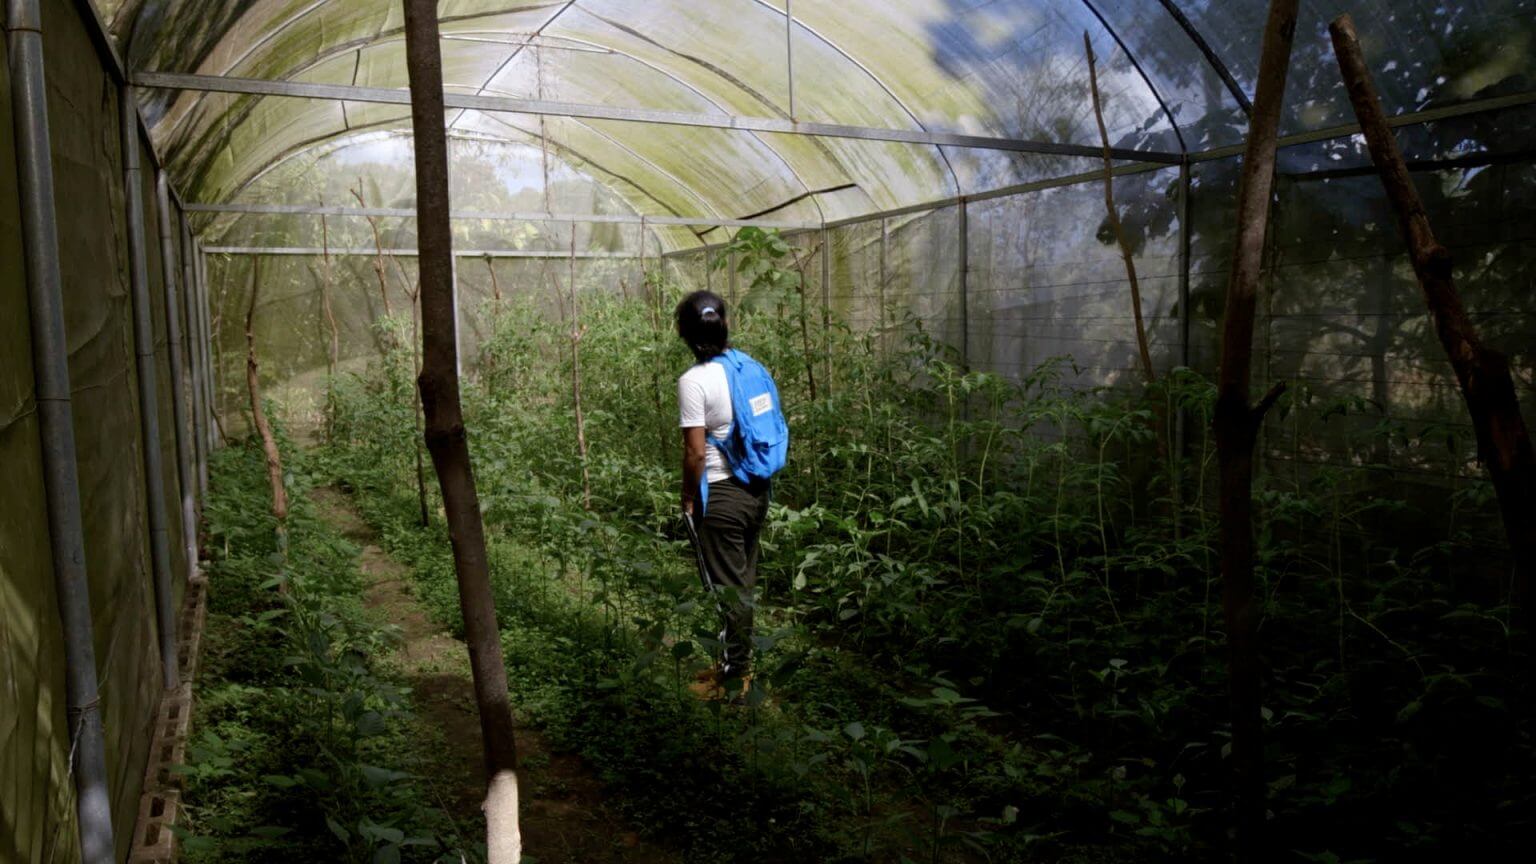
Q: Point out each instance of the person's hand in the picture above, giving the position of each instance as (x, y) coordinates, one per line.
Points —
(687, 506)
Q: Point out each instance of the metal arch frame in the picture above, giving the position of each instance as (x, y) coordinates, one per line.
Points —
(1403, 120)
(342, 47)
(516, 52)
(790, 21)
(359, 45)
(688, 190)
(403, 252)
(245, 55)
(1209, 53)
(549, 108)
(679, 81)
(1145, 78)
(528, 216)
(392, 127)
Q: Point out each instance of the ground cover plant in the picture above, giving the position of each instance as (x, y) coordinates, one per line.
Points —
(989, 622)
(304, 748)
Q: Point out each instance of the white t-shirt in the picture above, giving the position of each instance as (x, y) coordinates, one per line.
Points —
(704, 399)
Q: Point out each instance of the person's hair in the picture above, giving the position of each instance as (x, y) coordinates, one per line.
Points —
(702, 326)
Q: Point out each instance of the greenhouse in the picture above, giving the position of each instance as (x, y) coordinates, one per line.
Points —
(1155, 378)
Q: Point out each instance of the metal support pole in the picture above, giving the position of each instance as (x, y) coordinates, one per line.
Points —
(826, 306)
(56, 427)
(965, 286)
(880, 289)
(1181, 417)
(789, 47)
(179, 411)
(195, 355)
(211, 380)
(545, 108)
(149, 397)
(453, 284)
(1185, 231)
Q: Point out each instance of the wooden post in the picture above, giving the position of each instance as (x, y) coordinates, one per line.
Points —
(258, 413)
(1114, 219)
(445, 435)
(1237, 426)
(1503, 442)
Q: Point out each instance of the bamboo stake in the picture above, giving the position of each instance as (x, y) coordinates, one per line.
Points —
(1503, 442)
(1236, 429)
(446, 437)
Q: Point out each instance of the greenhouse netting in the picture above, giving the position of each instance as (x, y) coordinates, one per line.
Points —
(990, 622)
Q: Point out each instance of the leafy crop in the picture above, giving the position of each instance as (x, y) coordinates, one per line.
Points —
(990, 622)
(304, 748)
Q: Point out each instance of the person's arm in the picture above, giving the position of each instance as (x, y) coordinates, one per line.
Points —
(693, 465)
(693, 416)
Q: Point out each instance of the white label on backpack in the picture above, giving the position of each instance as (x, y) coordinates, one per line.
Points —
(761, 405)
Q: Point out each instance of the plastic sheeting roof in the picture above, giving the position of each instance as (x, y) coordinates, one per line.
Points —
(1173, 73)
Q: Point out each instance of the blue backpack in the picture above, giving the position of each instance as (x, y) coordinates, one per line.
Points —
(758, 444)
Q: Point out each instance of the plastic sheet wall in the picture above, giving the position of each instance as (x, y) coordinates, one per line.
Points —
(293, 335)
(1341, 319)
(37, 822)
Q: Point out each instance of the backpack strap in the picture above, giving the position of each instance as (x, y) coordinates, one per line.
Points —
(728, 362)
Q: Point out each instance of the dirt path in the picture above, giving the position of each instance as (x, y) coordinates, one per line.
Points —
(565, 817)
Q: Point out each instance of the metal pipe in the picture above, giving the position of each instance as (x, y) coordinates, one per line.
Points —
(1145, 78)
(965, 284)
(178, 388)
(1181, 416)
(195, 354)
(789, 48)
(880, 288)
(826, 307)
(453, 287)
(409, 253)
(194, 259)
(1399, 121)
(1209, 53)
(1185, 231)
(211, 380)
(542, 107)
(501, 216)
(56, 430)
(149, 397)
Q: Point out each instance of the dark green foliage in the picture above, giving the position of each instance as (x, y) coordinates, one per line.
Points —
(303, 749)
(989, 625)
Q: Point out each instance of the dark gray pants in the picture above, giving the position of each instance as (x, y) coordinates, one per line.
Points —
(728, 539)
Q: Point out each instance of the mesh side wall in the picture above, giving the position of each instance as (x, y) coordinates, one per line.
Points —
(37, 813)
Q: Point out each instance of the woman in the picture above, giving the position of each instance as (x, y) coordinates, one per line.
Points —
(734, 511)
